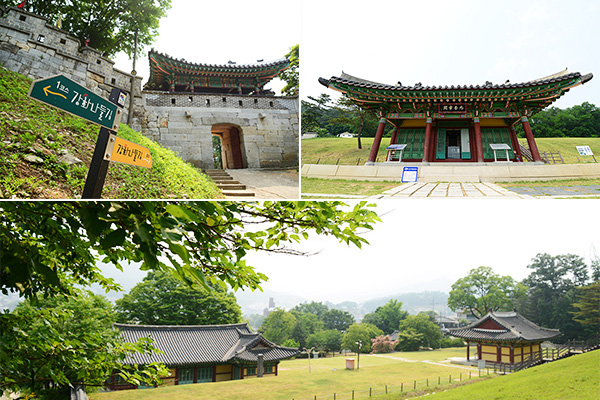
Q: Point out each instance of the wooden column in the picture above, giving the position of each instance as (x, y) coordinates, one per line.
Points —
(394, 136)
(512, 355)
(515, 143)
(478, 141)
(530, 140)
(377, 141)
(498, 353)
(427, 141)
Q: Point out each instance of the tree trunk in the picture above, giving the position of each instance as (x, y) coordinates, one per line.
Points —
(362, 123)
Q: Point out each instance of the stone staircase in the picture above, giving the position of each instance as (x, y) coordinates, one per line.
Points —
(229, 187)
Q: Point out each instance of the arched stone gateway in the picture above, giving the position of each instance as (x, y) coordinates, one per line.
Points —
(231, 145)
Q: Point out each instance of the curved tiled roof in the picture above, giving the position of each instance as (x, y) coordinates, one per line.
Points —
(197, 344)
(357, 82)
(511, 326)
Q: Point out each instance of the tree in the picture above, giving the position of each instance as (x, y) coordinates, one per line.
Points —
(162, 299)
(49, 247)
(108, 26)
(278, 326)
(305, 325)
(291, 75)
(431, 334)
(326, 340)
(351, 113)
(387, 317)
(317, 308)
(588, 305)
(483, 290)
(409, 340)
(337, 319)
(383, 344)
(363, 332)
(551, 298)
(49, 345)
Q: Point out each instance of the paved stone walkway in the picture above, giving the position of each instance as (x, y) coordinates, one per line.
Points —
(420, 190)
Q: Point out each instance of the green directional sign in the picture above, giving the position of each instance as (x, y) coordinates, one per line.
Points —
(61, 92)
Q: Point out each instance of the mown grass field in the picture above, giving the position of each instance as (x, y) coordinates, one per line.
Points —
(327, 376)
(35, 137)
(344, 186)
(345, 151)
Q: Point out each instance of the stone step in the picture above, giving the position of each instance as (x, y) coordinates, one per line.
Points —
(236, 193)
(231, 187)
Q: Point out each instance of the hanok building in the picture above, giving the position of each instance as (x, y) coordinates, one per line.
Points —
(186, 104)
(204, 353)
(504, 337)
(456, 123)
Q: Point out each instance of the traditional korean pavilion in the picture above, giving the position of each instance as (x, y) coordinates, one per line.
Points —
(173, 75)
(204, 353)
(456, 123)
(504, 337)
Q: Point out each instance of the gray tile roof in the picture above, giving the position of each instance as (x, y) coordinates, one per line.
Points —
(514, 326)
(202, 344)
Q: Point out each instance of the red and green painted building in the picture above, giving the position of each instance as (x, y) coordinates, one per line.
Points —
(456, 123)
(174, 75)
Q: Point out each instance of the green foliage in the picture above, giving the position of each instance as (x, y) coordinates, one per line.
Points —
(451, 342)
(305, 325)
(291, 343)
(326, 340)
(577, 121)
(291, 76)
(337, 319)
(66, 341)
(110, 26)
(317, 308)
(387, 317)
(409, 340)
(552, 299)
(362, 332)
(49, 247)
(162, 299)
(278, 326)
(29, 127)
(483, 290)
(421, 324)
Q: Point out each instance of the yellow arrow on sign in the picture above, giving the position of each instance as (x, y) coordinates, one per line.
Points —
(124, 151)
(46, 91)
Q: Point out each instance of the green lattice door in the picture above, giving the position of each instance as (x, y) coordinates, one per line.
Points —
(440, 153)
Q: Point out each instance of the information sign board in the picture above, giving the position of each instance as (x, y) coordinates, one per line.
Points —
(124, 151)
(584, 150)
(410, 174)
(62, 93)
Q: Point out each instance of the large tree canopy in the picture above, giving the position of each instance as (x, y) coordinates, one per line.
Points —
(291, 76)
(48, 247)
(109, 26)
(65, 342)
(387, 317)
(483, 290)
(162, 299)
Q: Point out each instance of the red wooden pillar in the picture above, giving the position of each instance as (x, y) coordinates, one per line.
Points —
(515, 143)
(478, 141)
(427, 141)
(394, 138)
(479, 351)
(498, 353)
(512, 355)
(377, 141)
(530, 140)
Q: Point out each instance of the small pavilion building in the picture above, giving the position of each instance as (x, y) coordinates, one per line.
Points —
(503, 337)
(204, 353)
(465, 124)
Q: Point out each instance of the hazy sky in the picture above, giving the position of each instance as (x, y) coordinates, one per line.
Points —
(221, 31)
(427, 245)
(441, 42)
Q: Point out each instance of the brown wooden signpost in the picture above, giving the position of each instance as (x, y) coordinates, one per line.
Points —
(62, 93)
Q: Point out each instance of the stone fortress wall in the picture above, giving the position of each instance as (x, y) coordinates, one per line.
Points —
(268, 125)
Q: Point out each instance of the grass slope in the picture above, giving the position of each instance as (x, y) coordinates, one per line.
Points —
(576, 377)
(330, 150)
(327, 376)
(29, 128)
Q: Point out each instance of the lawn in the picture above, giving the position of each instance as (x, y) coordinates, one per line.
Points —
(345, 186)
(344, 151)
(327, 376)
